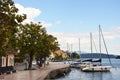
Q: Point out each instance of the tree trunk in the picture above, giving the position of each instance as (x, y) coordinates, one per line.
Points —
(30, 61)
(44, 61)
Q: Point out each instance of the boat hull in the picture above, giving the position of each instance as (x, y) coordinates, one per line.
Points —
(97, 69)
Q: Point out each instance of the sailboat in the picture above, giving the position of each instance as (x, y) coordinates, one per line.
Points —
(97, 68)
(77, 63)
(87, 62)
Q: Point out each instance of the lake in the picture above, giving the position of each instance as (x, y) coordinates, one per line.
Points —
(77, 74)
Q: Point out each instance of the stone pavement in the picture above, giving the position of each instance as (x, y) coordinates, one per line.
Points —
(38, 74)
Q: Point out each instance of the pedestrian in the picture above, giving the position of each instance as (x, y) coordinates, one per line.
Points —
(26, 64)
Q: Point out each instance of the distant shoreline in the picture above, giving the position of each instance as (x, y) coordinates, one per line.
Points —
(97, 55)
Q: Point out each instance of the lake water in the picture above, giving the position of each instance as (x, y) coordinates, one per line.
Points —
(77, 74)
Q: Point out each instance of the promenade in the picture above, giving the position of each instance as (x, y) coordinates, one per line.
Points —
(38, 74)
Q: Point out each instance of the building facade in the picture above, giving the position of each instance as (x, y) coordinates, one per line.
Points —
(6, 64)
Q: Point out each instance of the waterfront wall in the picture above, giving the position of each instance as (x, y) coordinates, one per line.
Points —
(57, 73)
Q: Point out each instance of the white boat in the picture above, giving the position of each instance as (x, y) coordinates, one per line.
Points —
(83, 65)
(96, 68)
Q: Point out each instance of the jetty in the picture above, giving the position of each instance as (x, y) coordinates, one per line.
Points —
(48, 72)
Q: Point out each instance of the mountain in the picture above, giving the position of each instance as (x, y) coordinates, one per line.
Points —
(118, 57)
(96, 55)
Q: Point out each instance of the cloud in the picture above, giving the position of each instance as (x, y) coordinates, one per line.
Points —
(32, 13)
(46, 25)
(73, 40)
(50, 24)
(115, 32)
(109, 35)
(115, 29)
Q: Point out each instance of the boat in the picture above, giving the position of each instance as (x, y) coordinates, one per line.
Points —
(75, 64)
(97, 67)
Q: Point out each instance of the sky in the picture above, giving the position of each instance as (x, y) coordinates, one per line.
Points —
(72, 21)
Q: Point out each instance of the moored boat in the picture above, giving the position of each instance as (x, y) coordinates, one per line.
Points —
(75, 65)
(98, 67)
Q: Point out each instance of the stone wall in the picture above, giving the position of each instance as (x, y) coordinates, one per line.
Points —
(58, 73)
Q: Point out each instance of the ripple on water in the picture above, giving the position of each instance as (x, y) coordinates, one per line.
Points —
(77, 74)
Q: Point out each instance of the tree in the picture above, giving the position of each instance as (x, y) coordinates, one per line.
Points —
(75, 55)
(58, 57)
(28, 39)
(49, 44)
(33, 41)
(9, 20)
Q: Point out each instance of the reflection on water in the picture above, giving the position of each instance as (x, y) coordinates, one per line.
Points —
(77, 74)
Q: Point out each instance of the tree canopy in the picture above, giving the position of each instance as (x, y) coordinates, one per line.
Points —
(30, 39)
(9, 20)
(33, 40)
(75, 55)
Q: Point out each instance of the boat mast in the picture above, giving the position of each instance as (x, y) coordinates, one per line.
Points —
(71, 53)
(91, 45)
(67, 47)
(105, 45)
(79, 49)
(94, 45)
(100, 43)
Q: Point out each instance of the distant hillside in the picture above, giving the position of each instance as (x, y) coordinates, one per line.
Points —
(118, 57)
(96, 55)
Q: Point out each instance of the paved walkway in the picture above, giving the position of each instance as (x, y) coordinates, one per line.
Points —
(38, 74)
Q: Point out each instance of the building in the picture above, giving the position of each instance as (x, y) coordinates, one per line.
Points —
(62, 53)
(7, 63)
(59, 53)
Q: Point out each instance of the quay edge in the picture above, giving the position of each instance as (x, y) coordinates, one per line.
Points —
(58, 73)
